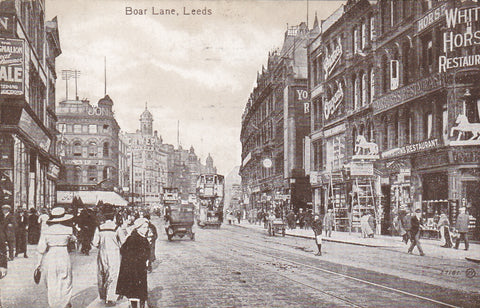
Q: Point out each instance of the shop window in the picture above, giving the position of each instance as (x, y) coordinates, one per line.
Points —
(92, 149)
(77, 149)
(92, 174)
(106, 149)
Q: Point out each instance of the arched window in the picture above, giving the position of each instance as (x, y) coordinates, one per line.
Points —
(356, 92)
(372, 84)
(77, 149)
(92, 149)
(92, 174)
(106, 149)
(105, 173)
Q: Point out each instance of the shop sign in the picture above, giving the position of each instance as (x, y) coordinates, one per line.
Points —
(53, 171)
(11, 67)
(85, 162)
(28, 125)
(465, 156)
(332, 59)
(98, 111)
(361, 169)
(411, 148)
(465, 37)
(332, 104)
(334, 130)
(431, 17)
(408, 92)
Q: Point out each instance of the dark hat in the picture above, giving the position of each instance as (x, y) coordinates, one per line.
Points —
(418, 211)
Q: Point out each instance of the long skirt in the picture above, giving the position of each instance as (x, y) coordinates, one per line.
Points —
(57, 270)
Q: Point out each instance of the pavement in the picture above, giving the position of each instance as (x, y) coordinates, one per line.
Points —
(430, 246)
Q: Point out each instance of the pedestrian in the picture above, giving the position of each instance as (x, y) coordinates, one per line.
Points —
(308, 219)
(328, 222)
(55, 262)
(239, 216)
(416, 225)
(43, 218)
(317, 230)
(444, 228)
(365, 226)
(3, 251)
(107, 239)
(291, 219)
(132, 278)
(152, 236)
(462, 228)
(21, 233)
(9, 229)
(398, 226)
(301, 218)
(407, 225)
(33, 227)
(371, 223)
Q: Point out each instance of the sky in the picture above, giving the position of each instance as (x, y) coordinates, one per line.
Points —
(195, 69)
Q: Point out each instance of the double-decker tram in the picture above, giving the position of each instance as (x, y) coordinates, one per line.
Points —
(210, 196)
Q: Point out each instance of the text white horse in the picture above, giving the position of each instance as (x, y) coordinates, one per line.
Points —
(361, 144)
(464, 126)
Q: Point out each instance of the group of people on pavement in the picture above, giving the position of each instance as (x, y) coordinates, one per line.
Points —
(408, 225)
(126, 250)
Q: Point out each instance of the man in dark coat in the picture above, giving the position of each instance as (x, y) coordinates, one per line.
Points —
(132, 278)
(152, 236)
(317, 230)
(33, 227)
(407, 225)
(9, 229)
(21, 233)
(415, 232)
(462, 228)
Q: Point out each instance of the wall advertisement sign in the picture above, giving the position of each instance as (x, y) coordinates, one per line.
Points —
(30, 127)
(12, 81)
(361, 169)
(412, 148)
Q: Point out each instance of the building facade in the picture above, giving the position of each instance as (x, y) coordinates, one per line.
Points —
(148, 162)
(88, 145)
(29, 45)
(427, 110)
(274, 124)
(395, 110)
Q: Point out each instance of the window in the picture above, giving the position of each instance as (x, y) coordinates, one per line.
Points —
(62, 128)
(69, 128)
(356, 47)
(356, 92)
(335, 152)
(354, 139)
(92, 129)
(364, 36)
(372, 28)
(473, 110)
(445, 124)
(85, 129)
(427, 54)
(364, 82)
(372, 84)
(105, 173)
(406, 63)
(92, 174)
(77, 149)
(386, 77)
(106, 149)
(77, 175)
(428, 124)
(105, 128)
(317, 155)
(77, 129)
(394, 79)
(92, 149)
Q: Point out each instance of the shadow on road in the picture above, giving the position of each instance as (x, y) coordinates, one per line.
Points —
(154, 296)
(85, 297)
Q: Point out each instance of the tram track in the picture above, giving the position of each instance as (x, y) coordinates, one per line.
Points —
(241, 244)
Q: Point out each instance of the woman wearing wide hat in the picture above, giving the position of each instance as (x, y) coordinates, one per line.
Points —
(55, 262)
(132, 279)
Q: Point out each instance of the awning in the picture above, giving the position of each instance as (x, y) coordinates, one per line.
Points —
(91, 197)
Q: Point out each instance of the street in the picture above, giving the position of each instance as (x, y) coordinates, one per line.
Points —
(238, 266)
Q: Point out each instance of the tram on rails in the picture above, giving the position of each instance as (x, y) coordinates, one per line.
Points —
(210, 197)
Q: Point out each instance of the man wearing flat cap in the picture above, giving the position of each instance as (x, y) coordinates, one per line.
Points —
(415, 232)
(9, 227)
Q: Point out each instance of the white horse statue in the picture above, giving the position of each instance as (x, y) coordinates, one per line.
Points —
(464, 126)
(361, 145)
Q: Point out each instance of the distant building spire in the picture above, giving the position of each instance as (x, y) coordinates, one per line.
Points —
(315, 22)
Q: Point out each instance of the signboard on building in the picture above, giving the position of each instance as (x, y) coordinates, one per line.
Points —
(31, 128)
(12, 67)
(459, 34)
(331, 105)
(361, 169)
(6, 24)
(412, 148)
(409, 92)
(431, 17)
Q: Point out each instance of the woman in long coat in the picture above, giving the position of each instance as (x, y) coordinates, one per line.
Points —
(132, 279)
(55, 261)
